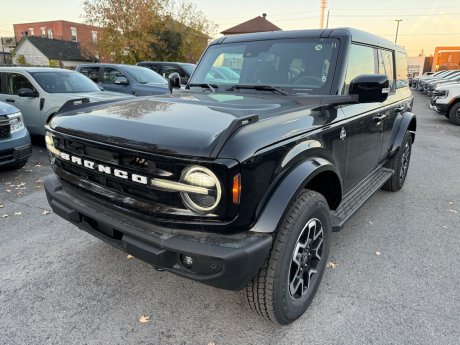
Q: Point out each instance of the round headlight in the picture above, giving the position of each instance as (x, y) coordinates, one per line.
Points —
(198, 176)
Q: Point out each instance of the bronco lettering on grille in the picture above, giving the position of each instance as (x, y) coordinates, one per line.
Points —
(106, 169)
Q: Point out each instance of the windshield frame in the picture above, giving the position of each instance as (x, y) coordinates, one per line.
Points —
(93, 86)
(218, 49)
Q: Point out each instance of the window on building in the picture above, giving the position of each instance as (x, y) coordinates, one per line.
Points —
(94, 36)
(43, 32)
(31, 31)
(50, 33)
(73, 32)
(362, 60)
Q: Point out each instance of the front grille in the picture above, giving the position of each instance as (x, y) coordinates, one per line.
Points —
(4, 131)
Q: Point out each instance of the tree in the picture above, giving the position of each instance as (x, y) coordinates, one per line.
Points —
(135, 30)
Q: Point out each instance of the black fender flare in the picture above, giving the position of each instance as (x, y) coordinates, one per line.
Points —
(287, 189)
(408, 122)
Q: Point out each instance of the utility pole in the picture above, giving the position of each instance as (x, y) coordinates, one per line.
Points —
(397, 28)
(327, 21)
(323, 8)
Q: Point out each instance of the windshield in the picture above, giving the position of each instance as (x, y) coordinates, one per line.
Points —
(144, 75)
(189, 68)
(64, 82)
(295, 65)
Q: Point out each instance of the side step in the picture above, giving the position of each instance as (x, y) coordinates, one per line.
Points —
(353, 201)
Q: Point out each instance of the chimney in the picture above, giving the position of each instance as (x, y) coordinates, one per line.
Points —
(264, 15)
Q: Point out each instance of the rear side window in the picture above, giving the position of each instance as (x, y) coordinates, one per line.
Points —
(402, 70)
(90, 72)
(362, 60)
(386, 65)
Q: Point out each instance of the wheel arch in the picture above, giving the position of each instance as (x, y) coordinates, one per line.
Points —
(452, 102)
(315, 173)
(408, 122)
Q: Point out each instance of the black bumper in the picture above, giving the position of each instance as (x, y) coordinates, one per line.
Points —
(15, 156)
(439, 107)
(224, 261)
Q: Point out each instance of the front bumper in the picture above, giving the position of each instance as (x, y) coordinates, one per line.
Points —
(224, 261)
(441, 108)
(16, 149)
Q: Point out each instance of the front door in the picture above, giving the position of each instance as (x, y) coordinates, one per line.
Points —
(29, 106)
(108, 80)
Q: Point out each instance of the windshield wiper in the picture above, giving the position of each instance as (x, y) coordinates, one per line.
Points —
(259, 88)
(211, 87)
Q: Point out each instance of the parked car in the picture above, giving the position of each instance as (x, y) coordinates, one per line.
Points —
(415, 78)
(453, 78)
(239, 184)
(40, 92)
(423, 83)
(15, 146)
(133, 80)
(165, 68)
(446, 101)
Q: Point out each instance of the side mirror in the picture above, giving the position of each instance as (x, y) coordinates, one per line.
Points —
(26, 92)
(370, 88)
(121, 81)
(174, 81)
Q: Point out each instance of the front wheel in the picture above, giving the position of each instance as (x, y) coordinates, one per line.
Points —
(285, 286)
(454, 114)
(400, 164)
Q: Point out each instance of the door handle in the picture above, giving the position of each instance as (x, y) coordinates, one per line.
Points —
(400, 108)
(9, 100)
(380, 118)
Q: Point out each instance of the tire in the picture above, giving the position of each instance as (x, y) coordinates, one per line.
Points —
(307, 222)
(400, 164)
(454, 114)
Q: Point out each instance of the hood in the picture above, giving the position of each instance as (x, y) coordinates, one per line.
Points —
(183, 124)
(6, 109)
(98, 96)
(449, 86)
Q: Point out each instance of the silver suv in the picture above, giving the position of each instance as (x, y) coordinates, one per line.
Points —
(39, 92)
(446, 101)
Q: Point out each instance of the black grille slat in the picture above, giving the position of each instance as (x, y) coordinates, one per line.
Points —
(6, 155)
(5, 131)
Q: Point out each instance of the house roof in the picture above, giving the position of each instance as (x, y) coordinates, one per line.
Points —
(55, 49)
(257, 24)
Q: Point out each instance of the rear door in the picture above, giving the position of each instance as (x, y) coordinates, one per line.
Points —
(29, 106)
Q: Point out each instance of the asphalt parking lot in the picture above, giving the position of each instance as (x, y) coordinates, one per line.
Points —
(396, 279)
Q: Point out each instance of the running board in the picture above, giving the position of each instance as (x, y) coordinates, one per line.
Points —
(353, 201)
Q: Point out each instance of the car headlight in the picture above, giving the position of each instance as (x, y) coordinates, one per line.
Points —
(49, 140)
(16, 122)
(205, 200)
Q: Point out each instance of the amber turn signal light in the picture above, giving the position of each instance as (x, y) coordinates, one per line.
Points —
(236, 189)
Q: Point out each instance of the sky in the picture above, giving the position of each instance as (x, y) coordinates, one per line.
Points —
(425, 23)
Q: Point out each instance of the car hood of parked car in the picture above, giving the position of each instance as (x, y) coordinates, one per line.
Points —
(190, 123)
(6, 109)
(97, 96)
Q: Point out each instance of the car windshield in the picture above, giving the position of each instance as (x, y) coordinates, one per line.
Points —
(64, 82)
(188, 67)
(144, 75)
(297, 66)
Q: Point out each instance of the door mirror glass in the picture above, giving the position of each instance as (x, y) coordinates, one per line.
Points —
(26, 92)
(370, 88)
(121, 81)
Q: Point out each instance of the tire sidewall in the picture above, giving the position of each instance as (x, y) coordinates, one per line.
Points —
(290, 308)
(453, 114)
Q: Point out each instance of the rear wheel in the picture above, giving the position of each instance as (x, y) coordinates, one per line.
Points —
(400, 164)
(285, 286)
(454, 114)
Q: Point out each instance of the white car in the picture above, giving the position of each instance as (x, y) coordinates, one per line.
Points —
(40, 92)
(446, 101)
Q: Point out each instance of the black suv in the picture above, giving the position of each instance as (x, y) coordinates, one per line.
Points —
(164, 68)
(240, 184)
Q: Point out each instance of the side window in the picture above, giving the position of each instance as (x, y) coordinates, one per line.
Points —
(90, 72)
(402, 70)
(168, 69)
(386, 65)
(362, 60)
(16, 81)
(110, 74)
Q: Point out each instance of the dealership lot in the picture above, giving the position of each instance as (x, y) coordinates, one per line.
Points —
(395, 281)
